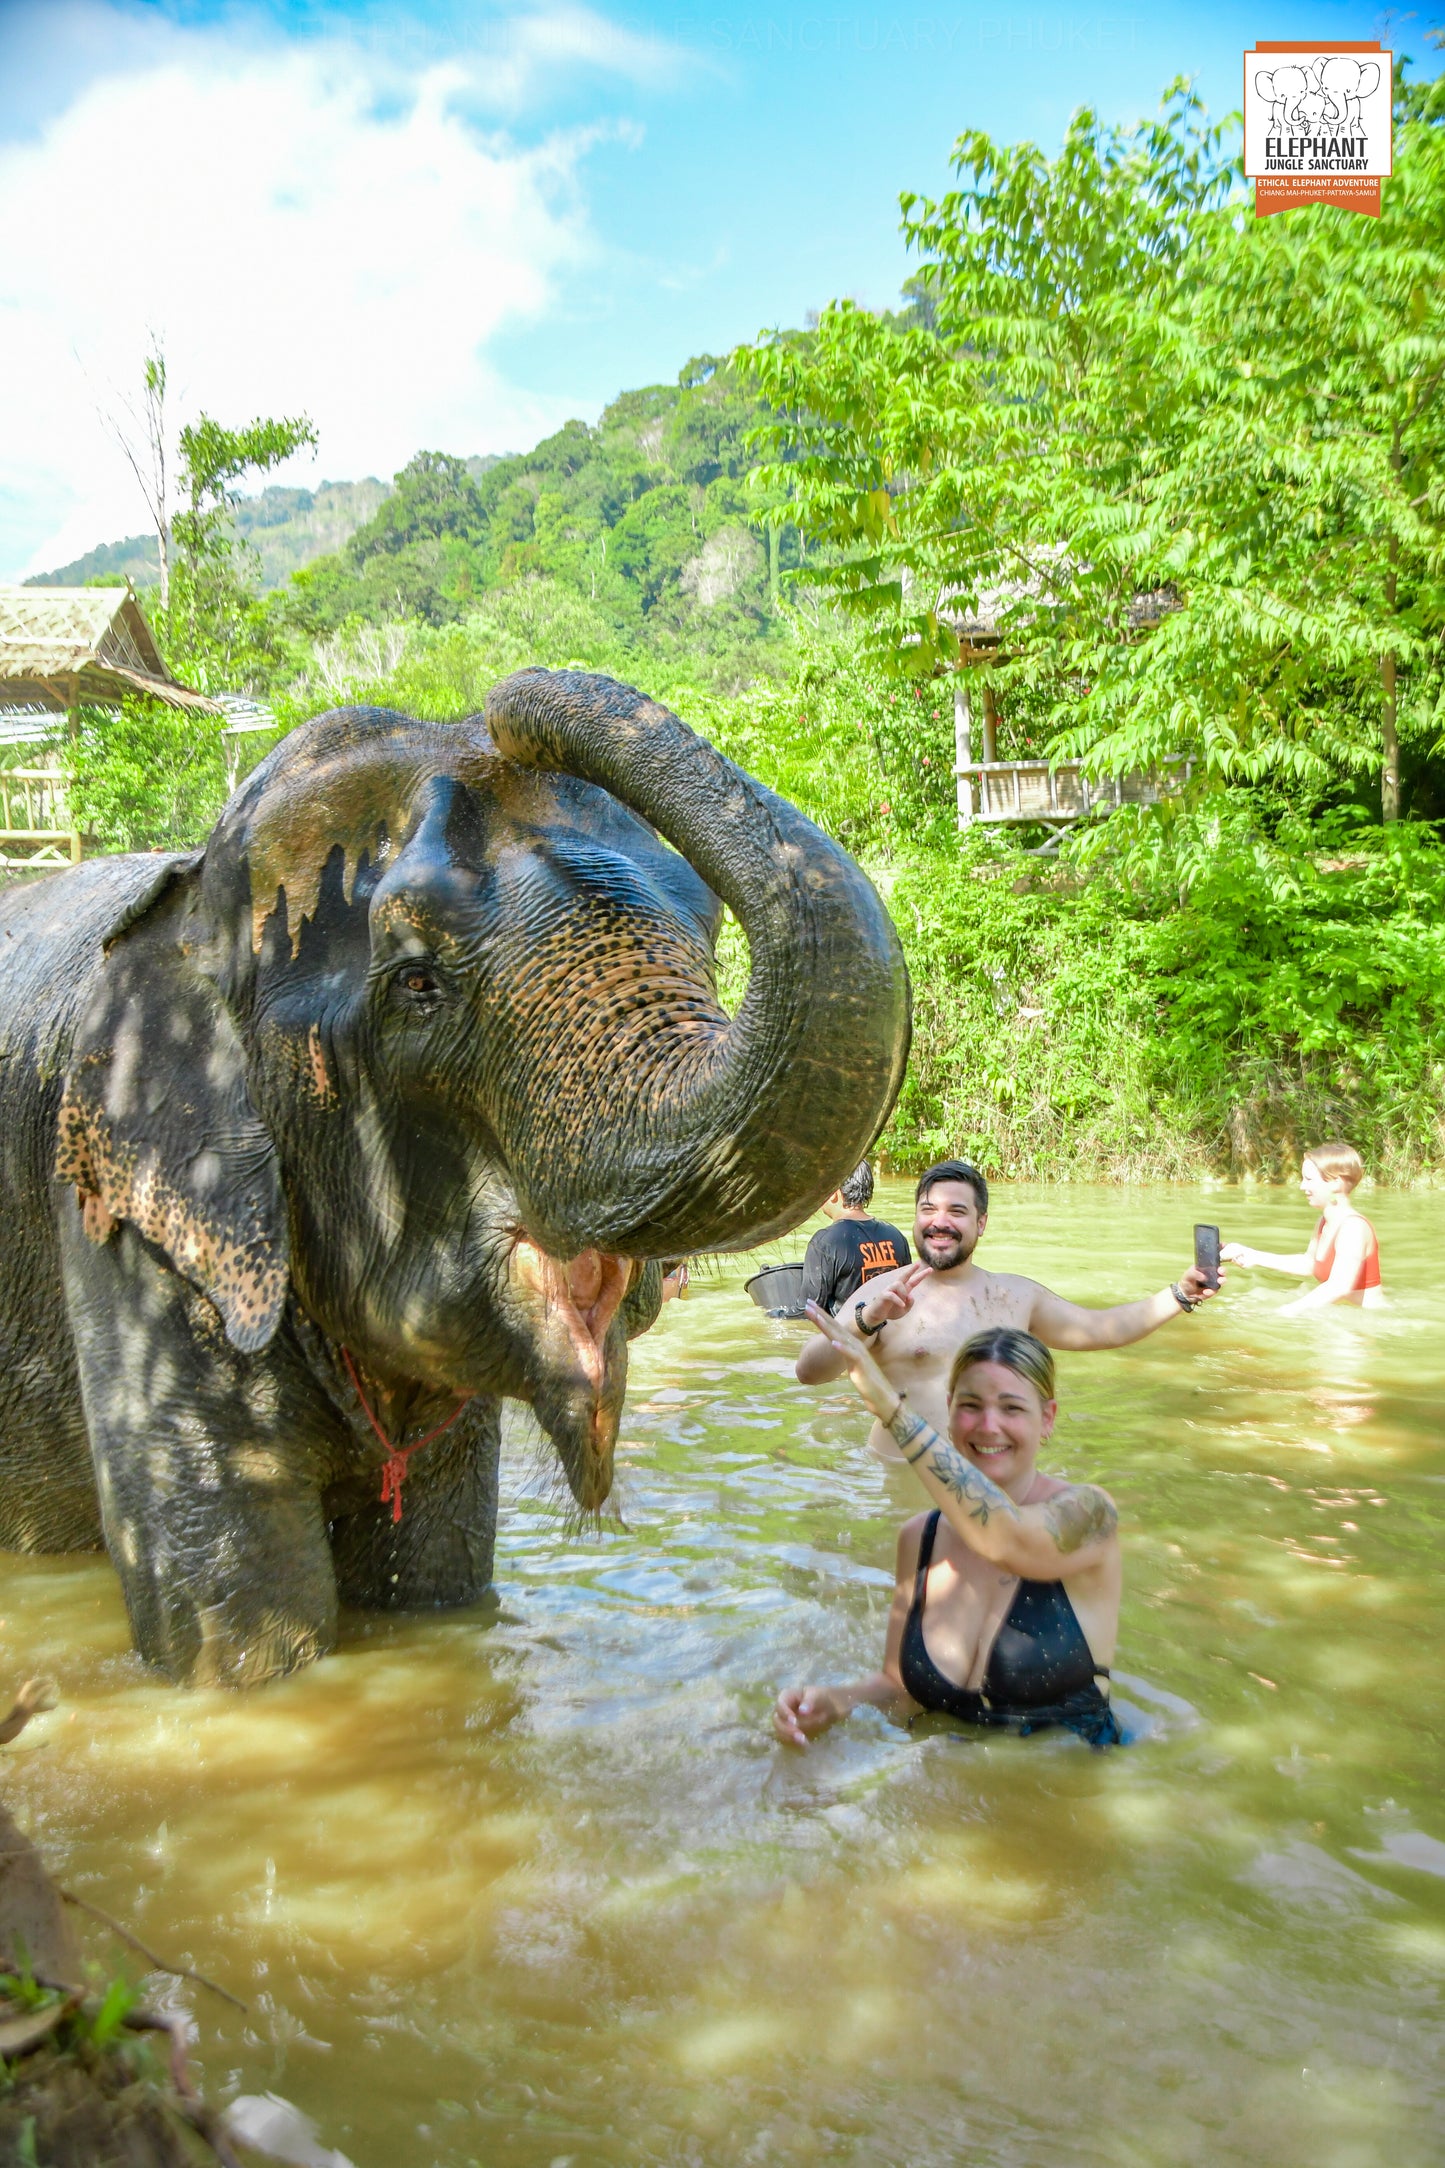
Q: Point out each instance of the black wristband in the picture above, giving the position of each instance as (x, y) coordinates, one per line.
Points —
(867, 1331)
(1184, 1301)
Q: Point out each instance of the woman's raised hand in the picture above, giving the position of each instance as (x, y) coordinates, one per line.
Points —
(874, 1388)
(1238, 1253)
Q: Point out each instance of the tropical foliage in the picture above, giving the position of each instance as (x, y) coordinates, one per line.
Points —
(1190, 465)
(1133, 392)
(647, 517)
(1069, 1026)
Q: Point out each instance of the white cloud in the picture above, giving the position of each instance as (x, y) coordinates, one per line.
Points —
(523, 51)
(307, 230)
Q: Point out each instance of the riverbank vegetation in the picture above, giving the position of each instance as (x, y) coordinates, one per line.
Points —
(1110, 385)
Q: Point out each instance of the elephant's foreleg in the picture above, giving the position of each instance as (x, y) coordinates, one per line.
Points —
(209, 1496)
(439, 1553)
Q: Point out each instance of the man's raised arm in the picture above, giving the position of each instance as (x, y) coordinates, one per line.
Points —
(1070, 1326)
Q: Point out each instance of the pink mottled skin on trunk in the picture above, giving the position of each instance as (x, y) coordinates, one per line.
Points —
(583, 1294)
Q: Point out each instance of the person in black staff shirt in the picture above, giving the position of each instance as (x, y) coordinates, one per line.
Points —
(841, 1257)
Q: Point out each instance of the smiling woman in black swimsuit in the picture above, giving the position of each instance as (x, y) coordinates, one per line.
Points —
(1007, 1600)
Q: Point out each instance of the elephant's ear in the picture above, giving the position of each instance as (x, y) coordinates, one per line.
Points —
(157, 1125)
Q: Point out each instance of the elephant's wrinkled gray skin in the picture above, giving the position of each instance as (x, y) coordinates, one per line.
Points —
(408, 1074)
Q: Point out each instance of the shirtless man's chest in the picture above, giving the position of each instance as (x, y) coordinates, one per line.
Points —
(916, 1351)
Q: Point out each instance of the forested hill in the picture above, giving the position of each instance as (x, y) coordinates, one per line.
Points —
(648, 517)
(285, 527)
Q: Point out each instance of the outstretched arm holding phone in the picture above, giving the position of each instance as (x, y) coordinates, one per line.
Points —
(1297, 1262)
(912, 1321)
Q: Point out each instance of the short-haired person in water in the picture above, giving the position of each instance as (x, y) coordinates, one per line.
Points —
(913, 1320)
(1006, 1606)
(855, 1248)
(1344, 1253)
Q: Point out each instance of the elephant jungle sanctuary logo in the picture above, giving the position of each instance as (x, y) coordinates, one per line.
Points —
(1317, 124)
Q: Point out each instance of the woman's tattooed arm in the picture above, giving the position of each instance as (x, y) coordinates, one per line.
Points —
(1069, 1520)
(919, 1442)
(1076, 1517)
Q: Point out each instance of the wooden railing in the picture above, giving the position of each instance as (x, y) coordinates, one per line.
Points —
(36, 826)
(1054, 793)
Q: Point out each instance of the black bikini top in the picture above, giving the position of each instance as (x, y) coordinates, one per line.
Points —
(1039, 1660)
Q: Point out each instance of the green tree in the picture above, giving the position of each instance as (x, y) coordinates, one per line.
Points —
(434, 497)
(1130, 403)
(147, 777)
(215, 629)
(937, 461)
(1294, 494)
(623, 513)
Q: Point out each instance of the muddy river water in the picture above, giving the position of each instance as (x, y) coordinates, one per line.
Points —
(530, 1886)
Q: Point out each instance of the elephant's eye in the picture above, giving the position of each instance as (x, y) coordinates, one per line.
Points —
(420, 988)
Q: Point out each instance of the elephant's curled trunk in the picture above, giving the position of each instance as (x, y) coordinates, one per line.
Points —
(745, 1125)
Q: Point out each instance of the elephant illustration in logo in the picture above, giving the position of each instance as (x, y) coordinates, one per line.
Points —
(1344, 81)
(1328, 91)
(1286, 89)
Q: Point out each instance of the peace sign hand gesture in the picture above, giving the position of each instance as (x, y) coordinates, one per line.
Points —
(895, 1300)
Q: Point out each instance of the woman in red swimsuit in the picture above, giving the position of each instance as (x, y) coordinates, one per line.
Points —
(1344, 1254)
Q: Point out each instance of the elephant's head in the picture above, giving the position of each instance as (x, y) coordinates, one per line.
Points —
(1285, 88)
(1342, 78)
(430, 1034)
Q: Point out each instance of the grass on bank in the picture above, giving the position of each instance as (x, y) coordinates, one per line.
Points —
(1109, 1027)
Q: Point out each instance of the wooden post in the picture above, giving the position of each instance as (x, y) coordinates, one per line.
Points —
(73, 729)
(963, 750)
(990, 724)
(1390, 736)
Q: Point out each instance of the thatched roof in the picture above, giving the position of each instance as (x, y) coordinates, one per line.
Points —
(65, 647)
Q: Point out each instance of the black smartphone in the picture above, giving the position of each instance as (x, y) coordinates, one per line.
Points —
(1206, 1254)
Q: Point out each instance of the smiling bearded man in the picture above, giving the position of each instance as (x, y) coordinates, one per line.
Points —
(915, 1319)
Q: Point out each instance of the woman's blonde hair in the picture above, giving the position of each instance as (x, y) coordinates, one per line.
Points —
(1338, 1163)
(1017, 1351)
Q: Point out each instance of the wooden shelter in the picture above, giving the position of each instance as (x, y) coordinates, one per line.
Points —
(62, 649)
(1048, 793)
(65, 648)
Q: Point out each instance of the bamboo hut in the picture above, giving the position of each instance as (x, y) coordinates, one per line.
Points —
(1052, 794)
(62, 649)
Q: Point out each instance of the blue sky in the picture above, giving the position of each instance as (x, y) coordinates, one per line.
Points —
(457, 225)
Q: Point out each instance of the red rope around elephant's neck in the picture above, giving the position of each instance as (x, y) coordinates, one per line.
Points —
(393, 1475)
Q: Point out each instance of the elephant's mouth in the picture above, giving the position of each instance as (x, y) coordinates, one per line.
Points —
(579, 1300)
(582, 1296)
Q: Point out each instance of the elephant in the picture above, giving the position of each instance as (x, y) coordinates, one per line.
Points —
(1325, 94)
(383, 1106)
(1343, 81)
(1286, 89)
